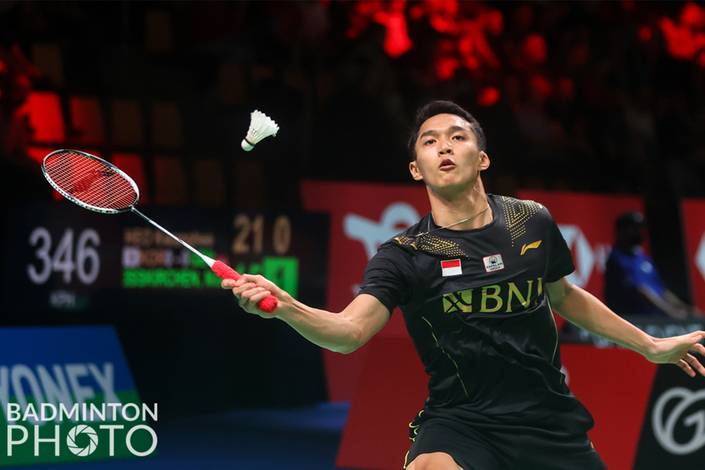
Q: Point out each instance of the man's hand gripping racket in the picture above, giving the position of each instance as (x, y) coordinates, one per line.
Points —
(100, 186)
(251, 289)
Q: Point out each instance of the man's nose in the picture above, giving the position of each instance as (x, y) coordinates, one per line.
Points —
(445, 147)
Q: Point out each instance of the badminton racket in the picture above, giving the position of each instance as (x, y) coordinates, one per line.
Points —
(100, 186)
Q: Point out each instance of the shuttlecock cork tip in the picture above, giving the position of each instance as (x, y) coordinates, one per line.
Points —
(261, 126)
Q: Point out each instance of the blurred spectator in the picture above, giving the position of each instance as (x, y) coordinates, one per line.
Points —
(632, 283)
(16, 75)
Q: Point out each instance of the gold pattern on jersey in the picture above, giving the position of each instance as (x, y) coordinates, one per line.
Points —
(431, 244)
(516, 213)
(438, 344)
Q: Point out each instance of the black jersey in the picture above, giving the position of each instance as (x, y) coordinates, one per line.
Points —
(475, 305)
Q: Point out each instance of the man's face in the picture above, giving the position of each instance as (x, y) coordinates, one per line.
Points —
(447, 155)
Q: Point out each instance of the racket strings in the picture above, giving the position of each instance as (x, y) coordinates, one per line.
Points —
(90, 181)
(94, 186)
(83, 184)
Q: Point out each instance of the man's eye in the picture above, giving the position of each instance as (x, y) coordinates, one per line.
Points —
(458, 137)
(429, 141)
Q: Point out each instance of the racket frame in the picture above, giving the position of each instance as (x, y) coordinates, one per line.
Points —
(75, 200)
(217, 266)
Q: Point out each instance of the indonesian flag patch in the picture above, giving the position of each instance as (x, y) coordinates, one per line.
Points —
(451, 267)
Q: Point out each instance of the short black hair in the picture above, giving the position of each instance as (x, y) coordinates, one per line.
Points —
(443, 107)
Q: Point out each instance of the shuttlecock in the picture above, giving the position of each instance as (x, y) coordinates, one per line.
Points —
(261, 126)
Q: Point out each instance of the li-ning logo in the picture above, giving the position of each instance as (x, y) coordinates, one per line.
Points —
(664, 426)
(529, 246)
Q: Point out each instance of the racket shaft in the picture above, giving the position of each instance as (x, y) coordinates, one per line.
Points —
(183, 243)
(222, 270)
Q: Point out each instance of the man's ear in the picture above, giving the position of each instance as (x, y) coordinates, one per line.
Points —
(414, 170)
(484, 160)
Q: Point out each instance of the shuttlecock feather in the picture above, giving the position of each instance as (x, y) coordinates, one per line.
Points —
(261, 126)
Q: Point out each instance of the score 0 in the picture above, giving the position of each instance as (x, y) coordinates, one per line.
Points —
(249, 237)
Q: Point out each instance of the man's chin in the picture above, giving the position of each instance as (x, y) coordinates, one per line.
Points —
(448, 189)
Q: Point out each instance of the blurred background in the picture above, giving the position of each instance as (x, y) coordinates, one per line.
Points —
(603, 101)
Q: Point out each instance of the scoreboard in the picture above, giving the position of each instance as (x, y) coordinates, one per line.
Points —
(59, 259)
(182, 334)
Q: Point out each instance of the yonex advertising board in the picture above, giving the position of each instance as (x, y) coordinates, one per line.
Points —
(67, 395)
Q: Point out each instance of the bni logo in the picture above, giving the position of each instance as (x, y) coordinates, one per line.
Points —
(67, 394)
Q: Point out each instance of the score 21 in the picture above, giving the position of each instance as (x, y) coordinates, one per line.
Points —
(251, 240)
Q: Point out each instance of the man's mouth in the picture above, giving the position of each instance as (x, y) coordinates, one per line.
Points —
(446, 165)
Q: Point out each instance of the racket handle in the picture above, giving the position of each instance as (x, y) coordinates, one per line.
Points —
(223, 271)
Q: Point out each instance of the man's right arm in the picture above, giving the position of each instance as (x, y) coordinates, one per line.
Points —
(342, 332)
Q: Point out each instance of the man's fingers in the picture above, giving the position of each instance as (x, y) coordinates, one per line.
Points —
(246, 298)
(251, 278)
(242, 288)
(698, 348)
(249, 291)
(686, 368)
(695, 364)
(257, 298)
(230, 283)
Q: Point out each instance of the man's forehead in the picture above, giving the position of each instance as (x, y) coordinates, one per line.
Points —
(440, 122)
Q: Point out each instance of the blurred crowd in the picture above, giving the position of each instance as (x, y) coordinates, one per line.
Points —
(600, 96)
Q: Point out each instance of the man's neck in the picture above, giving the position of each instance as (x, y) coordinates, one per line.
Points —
(449, 210)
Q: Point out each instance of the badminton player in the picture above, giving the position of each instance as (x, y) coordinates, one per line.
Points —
(476, 280)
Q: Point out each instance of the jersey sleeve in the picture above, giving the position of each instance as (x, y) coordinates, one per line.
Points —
(388, 277)
(560, 259)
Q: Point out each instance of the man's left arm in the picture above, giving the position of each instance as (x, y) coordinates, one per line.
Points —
(586, 311)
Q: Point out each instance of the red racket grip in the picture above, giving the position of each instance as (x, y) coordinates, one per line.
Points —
(223, 271)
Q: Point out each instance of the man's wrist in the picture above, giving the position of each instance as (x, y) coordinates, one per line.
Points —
(289, 308)
(647, 348)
